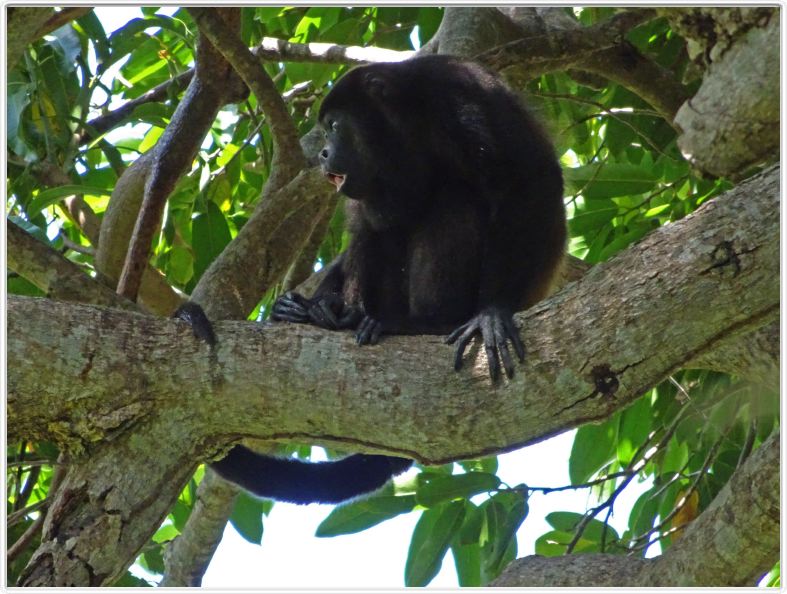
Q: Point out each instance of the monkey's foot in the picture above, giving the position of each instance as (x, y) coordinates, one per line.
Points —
(200, 324)
(496, 327)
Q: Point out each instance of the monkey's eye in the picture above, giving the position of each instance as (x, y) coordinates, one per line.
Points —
(333, 125)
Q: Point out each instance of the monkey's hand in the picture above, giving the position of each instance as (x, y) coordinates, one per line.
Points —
(497, 329)
(200, 324)
(327, 311)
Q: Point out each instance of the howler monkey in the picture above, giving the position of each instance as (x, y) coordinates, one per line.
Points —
(457, 221)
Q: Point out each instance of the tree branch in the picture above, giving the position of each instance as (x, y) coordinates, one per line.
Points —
(121, 378)
(278, 50)
(214, 84)
(599, 49)
(27, 24)
(288, 158)
(104, 123)
(563, 47)
(733, 120)
(58, 277)
(187, 558)
(265, 247)
(630, 68)
(615, 354)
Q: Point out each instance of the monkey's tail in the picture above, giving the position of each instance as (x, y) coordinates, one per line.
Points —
(296, 481)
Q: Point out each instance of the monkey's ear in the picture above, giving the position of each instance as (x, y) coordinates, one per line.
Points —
(376, 85)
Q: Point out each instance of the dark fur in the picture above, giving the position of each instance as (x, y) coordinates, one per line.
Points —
(457, 220)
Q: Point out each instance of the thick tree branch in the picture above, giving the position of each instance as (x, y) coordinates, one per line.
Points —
(187, 558)
(726, 282)
(562, 47)
(265, 247)
(58, 277)
(754, 356)
(732, 543)
(733, 120)
(27, 24)
(630, 68)
(117, 226)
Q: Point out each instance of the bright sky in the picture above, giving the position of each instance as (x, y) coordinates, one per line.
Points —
(290, 554)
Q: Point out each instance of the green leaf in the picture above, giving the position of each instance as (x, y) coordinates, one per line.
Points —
(153, 559)
(634, 234)
(643, 512)
(210, 235)
(66, 44)
(488, 465)
(675, 456)
(633, 429)
(246, 517)
(592, 216)
(18, 93)
(592, 535)
(553, 543)
(608, 180)
(180, 267)
(180, 514)
(594, 446)
(430, 541)
(95, 31)
(18, 285)
(467, 560)
(360, 515)
(508, 523)
(166, 534)
(52, 196)
(472, 525)
(454, 486)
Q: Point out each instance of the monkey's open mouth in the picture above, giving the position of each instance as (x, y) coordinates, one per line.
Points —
(337, 179)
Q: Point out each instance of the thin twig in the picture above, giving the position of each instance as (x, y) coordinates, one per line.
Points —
(27, 490)
(18, 516)
(692, 487)
(587, 485)
(23, 541)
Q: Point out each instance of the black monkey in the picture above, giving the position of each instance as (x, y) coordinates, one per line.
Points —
(457, 221)
(456, 207)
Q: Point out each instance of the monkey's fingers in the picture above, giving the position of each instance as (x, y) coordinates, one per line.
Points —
(451, 338)
(505, 355)
(291, 305)
(286, 311)
(322, 315)
(368, 331)
(513, 335)
(464, 334)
